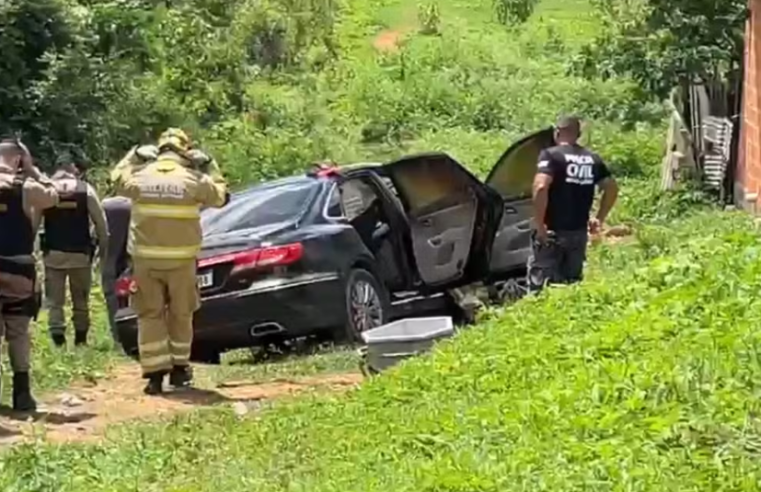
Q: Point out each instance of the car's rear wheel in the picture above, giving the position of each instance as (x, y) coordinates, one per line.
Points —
(367, 304)
(128, 341)
(206, 355)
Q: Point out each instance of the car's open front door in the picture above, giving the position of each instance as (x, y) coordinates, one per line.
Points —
(452, 217)
(512, 177)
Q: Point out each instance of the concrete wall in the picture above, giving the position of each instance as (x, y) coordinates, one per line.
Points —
(748, 177)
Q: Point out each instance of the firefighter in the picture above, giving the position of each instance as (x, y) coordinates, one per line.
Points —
(24, 192)
(68, 250)
(117, 210)
(564, 190)
(165, 238)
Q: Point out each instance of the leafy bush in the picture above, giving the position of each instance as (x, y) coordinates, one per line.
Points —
(641, 201)
(636, 153)
(513, 12)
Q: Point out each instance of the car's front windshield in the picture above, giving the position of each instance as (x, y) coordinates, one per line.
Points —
(263, 205)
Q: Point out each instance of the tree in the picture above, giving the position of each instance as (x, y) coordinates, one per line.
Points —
(662, 43)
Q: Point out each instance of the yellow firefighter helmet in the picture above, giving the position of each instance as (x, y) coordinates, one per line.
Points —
(174, 139)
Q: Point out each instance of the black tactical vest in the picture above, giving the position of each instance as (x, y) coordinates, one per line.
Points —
(67, 225)
(16, 235)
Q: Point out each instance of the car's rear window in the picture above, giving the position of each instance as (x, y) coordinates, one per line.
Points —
(260, 206)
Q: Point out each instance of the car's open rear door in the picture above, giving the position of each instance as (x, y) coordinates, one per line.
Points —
(452, 217)
(512, 177)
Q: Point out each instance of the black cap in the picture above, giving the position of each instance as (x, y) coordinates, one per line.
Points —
(568, 123)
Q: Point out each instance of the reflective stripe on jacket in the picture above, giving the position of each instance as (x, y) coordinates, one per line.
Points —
(166, 198)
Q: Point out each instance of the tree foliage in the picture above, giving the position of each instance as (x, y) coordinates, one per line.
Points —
(661, 43)
(96, 76)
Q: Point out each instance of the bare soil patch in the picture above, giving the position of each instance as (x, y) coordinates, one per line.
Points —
(85, 411)
(388, 40)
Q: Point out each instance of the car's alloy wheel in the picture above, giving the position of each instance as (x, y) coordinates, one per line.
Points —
(366, 303)
(512, 290)
(365, 306)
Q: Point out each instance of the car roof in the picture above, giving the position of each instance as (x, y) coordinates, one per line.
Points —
(263, 185)
(306, 177)
(422, 155)
(359, 165)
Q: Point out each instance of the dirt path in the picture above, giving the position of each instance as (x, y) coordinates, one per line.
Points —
(83, 413)
(390, 40)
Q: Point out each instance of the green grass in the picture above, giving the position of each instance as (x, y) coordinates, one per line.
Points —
(643, 378)
(239, 365)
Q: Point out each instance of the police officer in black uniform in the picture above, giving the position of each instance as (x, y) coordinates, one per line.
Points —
(564, 190)
(24, 194)
(68, 248)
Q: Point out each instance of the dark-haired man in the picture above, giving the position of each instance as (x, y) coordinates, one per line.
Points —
(564, 190)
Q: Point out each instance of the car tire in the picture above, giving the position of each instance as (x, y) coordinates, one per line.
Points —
(128, 341)
(366, 302)
(206, 356)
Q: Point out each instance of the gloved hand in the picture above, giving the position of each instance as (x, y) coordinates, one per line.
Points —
(199, 160)
(147, 152)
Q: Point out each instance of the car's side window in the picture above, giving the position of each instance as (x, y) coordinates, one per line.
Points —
(334, 209)
(356, 196)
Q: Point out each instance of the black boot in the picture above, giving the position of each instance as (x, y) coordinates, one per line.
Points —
(80, 338)
(155, 384)
(181, 376)
(22, 396)
(59, 339)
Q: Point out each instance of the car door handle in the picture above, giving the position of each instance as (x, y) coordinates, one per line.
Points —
(435, 242)
(426, 222)
(511, 210)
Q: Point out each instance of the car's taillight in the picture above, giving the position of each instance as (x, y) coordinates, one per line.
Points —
(124, 286)
(259, 257)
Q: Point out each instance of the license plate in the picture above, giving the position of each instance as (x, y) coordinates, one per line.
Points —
(205, 280)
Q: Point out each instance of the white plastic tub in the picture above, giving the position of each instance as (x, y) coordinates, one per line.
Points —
(389, 344)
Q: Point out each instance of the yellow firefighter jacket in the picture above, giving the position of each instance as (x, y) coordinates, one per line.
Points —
(166, 200)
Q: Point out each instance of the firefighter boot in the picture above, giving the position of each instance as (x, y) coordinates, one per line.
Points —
(22, 396)
(181, 376)
(80, 338)
(155, 384)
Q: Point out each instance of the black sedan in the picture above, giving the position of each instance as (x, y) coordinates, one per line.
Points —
(337, 251)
